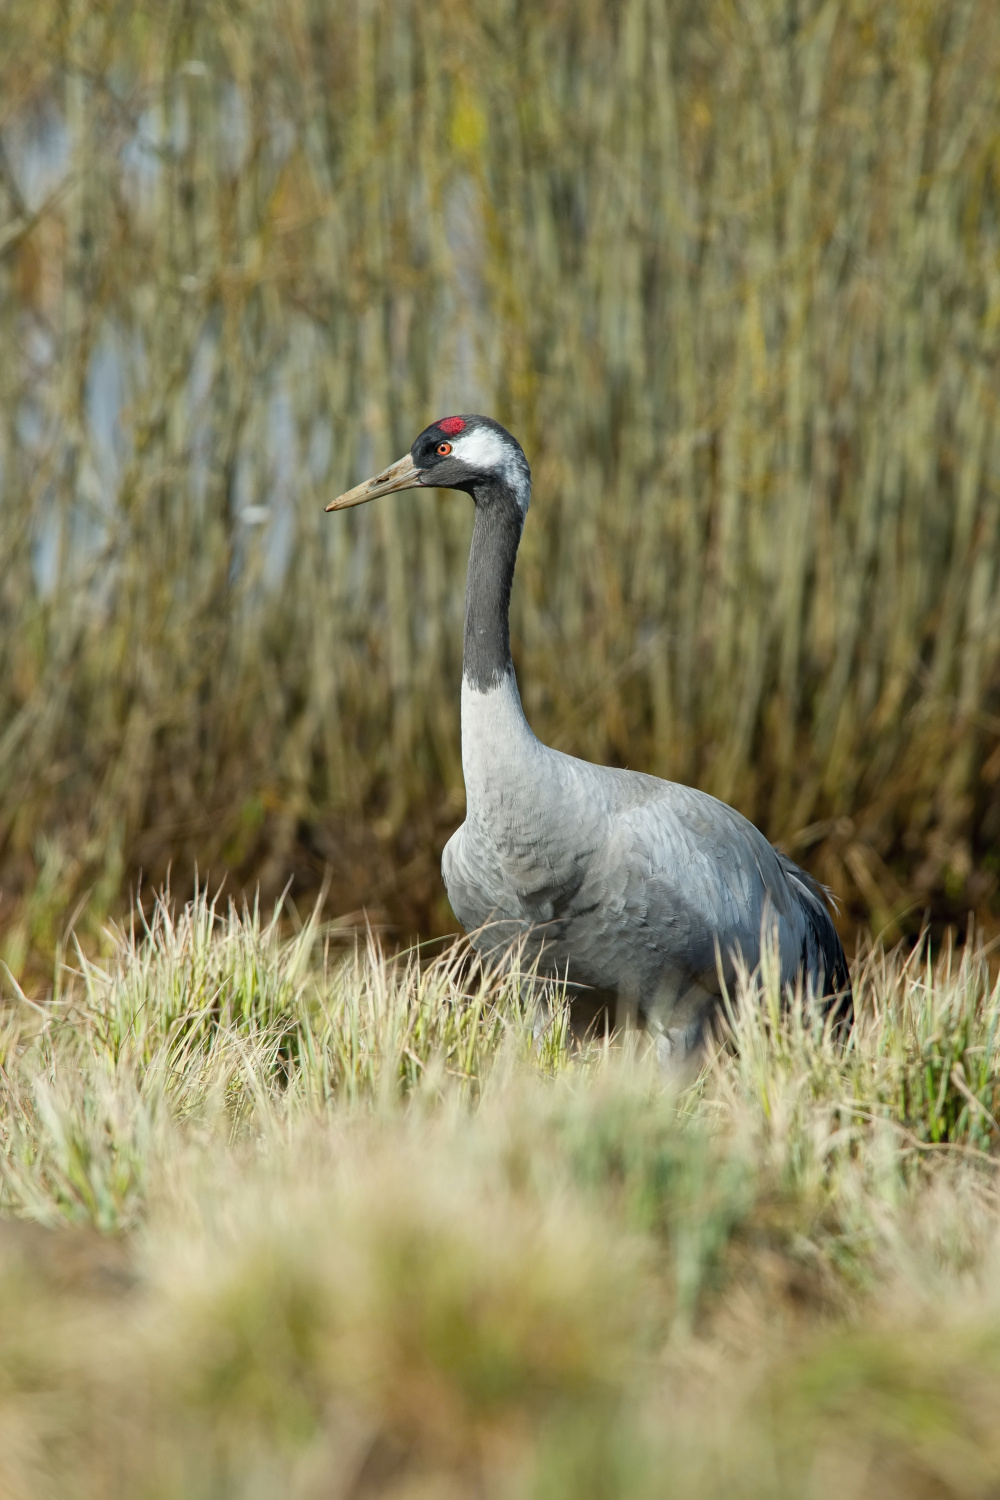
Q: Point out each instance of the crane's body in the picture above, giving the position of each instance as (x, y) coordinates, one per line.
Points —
(609, 879)
(618, 881)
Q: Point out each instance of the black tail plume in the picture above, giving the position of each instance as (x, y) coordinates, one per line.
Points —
(823, 956)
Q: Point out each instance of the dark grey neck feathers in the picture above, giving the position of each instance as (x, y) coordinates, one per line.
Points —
(495, 539)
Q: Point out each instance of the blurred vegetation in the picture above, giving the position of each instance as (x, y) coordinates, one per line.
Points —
(731, 274)
(286, 1216)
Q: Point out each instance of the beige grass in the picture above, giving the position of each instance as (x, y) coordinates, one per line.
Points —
(285, 1218)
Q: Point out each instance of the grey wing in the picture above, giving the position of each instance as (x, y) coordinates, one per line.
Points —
(680, 881)
(711, 864)
(717, 869)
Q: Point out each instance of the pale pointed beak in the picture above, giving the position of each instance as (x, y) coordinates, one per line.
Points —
(402, 475)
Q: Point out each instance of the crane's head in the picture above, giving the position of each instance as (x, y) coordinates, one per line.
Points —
(468, 453)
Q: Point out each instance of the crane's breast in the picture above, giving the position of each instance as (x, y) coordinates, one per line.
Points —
(466, 882)
(485, 896)
(565, 903)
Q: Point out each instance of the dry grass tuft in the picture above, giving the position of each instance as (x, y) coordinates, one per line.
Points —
(282, 1217)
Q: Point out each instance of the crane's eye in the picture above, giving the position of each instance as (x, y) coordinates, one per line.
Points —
(443, 449)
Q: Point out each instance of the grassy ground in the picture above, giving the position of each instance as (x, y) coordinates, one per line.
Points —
(284, 1217)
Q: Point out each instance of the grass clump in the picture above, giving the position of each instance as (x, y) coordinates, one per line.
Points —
(282, 1215)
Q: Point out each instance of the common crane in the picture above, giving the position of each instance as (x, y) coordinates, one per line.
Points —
(626, 885)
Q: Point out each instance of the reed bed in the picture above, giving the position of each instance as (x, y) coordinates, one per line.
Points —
(730, 274)
(281, 1214)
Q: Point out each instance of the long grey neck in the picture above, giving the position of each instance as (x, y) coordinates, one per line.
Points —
(497, 744)
(495, 540)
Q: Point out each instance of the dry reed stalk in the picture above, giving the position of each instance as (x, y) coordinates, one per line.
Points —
(730, 274)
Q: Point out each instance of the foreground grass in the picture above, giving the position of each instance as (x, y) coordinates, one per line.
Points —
(287, 1218)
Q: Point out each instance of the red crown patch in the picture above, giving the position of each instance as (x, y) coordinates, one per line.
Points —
(451, 425)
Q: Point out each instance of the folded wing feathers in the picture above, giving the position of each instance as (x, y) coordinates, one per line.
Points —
(823, 952)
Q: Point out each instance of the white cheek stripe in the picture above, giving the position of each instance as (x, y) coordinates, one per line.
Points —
(481, 449)
(484, 449)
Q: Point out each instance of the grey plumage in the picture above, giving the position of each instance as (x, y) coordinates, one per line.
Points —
(614, 880)
(621, 881)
